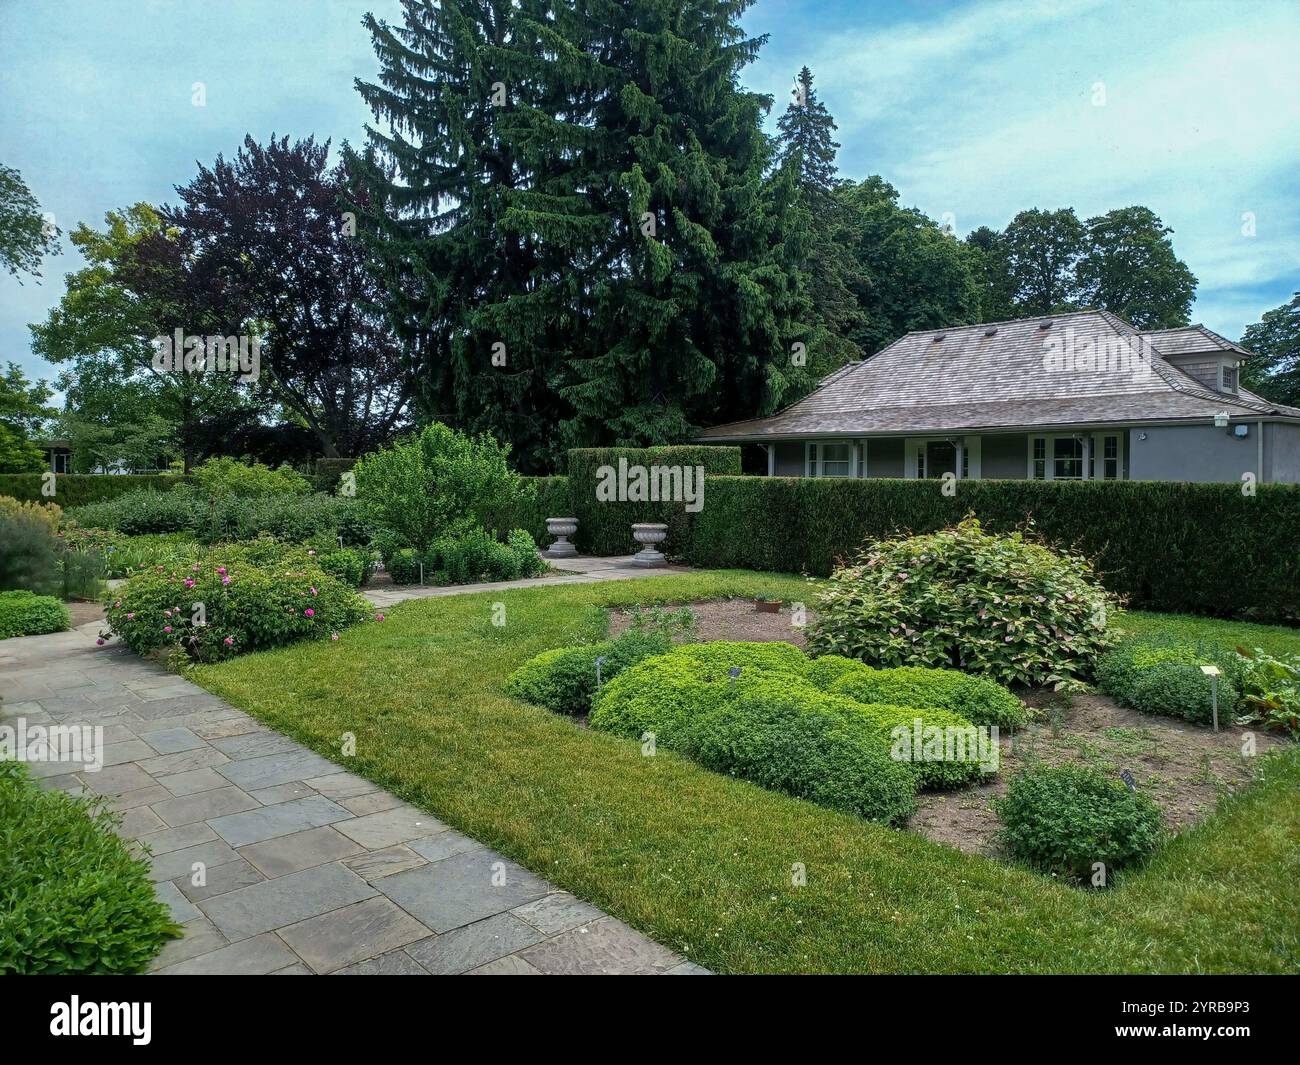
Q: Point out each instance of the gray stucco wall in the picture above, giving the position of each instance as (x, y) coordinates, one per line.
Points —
(1192, 453)
(1282, 453)
(1004, 456)
(884, 458)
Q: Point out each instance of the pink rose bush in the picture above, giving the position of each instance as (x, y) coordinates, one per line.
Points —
(245, 607)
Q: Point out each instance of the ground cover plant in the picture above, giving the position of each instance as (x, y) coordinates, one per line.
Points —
(1000, 606)
(73, 899)
(702, 861)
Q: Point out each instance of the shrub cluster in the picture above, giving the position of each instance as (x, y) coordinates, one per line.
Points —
(473, 555)
(73, 899)
(221, 477)
(564, 680)
(999, 606)
(977, 699)
(1064, 819)
(23, 613)
(1270, 690)
(228, 605)
(80, 489)
(1162, 676)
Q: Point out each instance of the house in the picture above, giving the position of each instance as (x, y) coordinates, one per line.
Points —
(1074, 396)
(58, 455)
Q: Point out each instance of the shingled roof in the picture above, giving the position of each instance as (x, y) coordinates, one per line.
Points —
(997, 376)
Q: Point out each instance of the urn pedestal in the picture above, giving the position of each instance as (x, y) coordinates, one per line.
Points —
(648, 534)
(561, 529)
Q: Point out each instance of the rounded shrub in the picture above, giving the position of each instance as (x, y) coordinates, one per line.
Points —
(805, 743)
(24, 613)
(1000, 606)
(977, 699)
(947, 758)
(823, 672)
(660, 695)
(1122, 669)
(713, 659)
(1064, 819)
(1180, 689)
(564, 679)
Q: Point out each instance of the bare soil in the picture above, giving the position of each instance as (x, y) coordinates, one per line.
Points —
(82, 612)
(1185, 768)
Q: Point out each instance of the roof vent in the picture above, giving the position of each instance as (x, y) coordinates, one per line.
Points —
(991, 332)
(1045, 325)
(939, 337)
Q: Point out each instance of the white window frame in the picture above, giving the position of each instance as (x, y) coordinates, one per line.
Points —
(815, 467)
(1094, 452)
(969, 452)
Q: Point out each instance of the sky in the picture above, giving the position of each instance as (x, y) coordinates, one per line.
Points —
(973, 110)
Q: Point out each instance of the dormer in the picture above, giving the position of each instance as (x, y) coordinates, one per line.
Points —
(1212, 361)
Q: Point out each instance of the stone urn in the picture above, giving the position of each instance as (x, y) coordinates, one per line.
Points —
(648, 534)
(562, 529)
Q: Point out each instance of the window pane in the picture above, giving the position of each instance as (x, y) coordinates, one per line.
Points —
(920, 462)
(1067, 458)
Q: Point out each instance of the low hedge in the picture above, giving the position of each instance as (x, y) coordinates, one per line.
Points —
(23, 613)
(564, 679)
(1166, 546)
(1157, 675)
(73, 898)
(79, 489)
(976, 699)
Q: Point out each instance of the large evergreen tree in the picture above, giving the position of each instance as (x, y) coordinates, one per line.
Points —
(573, 221)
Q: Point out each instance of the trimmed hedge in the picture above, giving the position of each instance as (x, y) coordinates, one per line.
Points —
(547, 497)
(24, 614)
(1168, 546)
(564, 679)
(78, 489)
(604, 528)
(73, 898)
(977, 699)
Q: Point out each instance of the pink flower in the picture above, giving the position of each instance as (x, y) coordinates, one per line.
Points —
(189, 582)
(379, 617)
(221, 569)
(225, 580)
(334, 635)
(292, 611)
(310, 612)
(130, 617)
(167, 613)
(100, 641)
(117, 604)
(229, 641)
(167, 628)
(313, 591)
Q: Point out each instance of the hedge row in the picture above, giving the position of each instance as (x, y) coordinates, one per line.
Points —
(1174, 546)
(77, 489)
(550, 499)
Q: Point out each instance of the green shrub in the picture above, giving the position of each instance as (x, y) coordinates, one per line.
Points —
(541, 498)
(1270, 690)
(437, 484)
(73, 899)
(823, 672)
(947, 759)
(329, 473)
(661, 695)
(142, 512)
(998, 606)
(713, 659)
(1213, 550)
(805, 743)
(524, 548)
(403, 566)
(1063, 819)
(79, 489)
(977, 699)
(564, 679)
(1178, 689)
(245, 607)
(1121, 669)
(219, 477)
(23, 613)
(125, 555)
(29, 552)
(352, 565)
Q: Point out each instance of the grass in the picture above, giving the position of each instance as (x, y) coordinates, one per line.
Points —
(702, 862)
(1275, 639)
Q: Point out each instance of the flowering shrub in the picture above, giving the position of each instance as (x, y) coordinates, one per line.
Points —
(216, 609)
(999, 606)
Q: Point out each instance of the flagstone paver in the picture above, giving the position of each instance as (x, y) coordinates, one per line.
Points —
(275, 859)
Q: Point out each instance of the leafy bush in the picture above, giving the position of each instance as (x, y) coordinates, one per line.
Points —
(245, 607)
(1178, 689)
(1062, 819)
(23, 613)
(977, 699)
(45, 514)
(1122, 667)
(219, 477)
(352, 565)
(995, 605)
(564, 680)
(471, 556)
(949, 758)
(73, 899)
(1270, 690)
(823, 672)
(439, 483)
(141, 512)
(661, 695)
(713, 660)
(524, 548)
(403, 565)
(29, 551)
(804, 743)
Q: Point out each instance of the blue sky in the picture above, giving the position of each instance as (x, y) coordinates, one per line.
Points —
(974, 110)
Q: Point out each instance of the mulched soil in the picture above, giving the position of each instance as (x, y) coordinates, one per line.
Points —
(1184, 767)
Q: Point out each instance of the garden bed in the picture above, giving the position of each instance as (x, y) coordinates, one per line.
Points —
(1183, 767)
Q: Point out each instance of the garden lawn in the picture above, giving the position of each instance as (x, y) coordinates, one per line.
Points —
(702, 862)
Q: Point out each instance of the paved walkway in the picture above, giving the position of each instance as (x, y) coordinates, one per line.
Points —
(305, 868)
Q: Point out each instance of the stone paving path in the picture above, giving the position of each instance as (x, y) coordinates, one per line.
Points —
(307, 868)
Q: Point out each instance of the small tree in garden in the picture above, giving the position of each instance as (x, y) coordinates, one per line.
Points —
(1001, 606)
(438, 483)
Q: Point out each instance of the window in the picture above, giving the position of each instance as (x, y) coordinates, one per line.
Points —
(1040, 458)
(1230, 379)
(1110, 458)
(920, 462)
(1067, 459)
(829, 460)
(61, 462)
